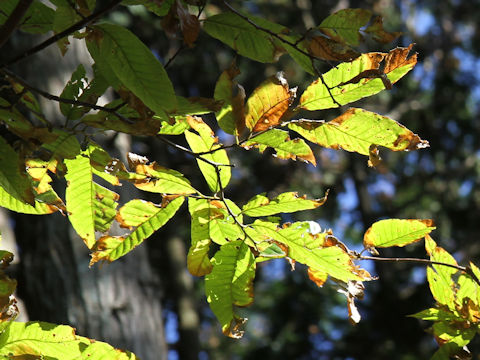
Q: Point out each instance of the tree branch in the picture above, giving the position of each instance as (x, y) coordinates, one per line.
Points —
(63, 100)
(77, 26)
(466, 269)
(7, 29)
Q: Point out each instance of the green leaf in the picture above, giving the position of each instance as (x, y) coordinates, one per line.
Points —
(396, 232)
(285, 148)
(357, 130)
(73, 89)
(207, 142)
(104, 206)
(231, 117)
(349, 82)
(66, 146)
(288, 202)
(269, 103)
(37, 20)
(344, 25)
(196, 106)
(45, 340)
(79, 196)
(159, 179)
(177, 126)
(145, 216)
(440, 277)
(308, 249)
(453, 333)
(244, 38)
(230, 284)
(13, 179)
(434, 314)
(135, 66)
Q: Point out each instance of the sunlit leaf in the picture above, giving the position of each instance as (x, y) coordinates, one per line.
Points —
(79, 196)
(230, 284)
(231, 117)
(285, 148)
(452, 338)
(13, 179)
(287, 202)
(440, 277)
(308, 249)
(396, 232)
(244, 38)
(205, 141)
(268, 103)
(36, 340)
(396, 64)
(159, 179)
(175, 126)
(344, 25)
(357, 130)
(145, 217)
(66, 146)
(434, 314)
(319, 277)
(135, 66)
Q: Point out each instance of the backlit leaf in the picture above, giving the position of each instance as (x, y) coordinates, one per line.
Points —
(396, 232)
(434, 314)
(231, 117)
(13, 179)
(344, 25)
(66, 146)
(205, 141)
(244, 38)
(79, 196)
(145, 216)
(268, 104)
(159, 179)
(440, 277)
(230, 284)
(135, 66)
(174, 126)
(396, 64)
(285, 148)
(357, 130)
(287, 202)
(73, 89)
(38, 340)
(308, 249)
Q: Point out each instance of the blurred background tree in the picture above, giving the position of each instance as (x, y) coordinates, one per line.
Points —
(291, 318)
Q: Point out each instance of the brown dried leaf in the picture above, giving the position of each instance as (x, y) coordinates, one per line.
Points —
(328, 49)
(378, 32)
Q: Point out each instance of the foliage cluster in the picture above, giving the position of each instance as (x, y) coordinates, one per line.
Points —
(34, 150)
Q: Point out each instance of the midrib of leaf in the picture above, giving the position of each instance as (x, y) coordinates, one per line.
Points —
(128, 61)
(410, 234)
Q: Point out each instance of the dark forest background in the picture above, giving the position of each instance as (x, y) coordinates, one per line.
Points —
(148, 303)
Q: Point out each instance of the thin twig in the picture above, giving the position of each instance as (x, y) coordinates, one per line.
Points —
(190, 152)
(179, 50)
(77, 26)
(285, 41)
(465, 269)
(62, 100)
